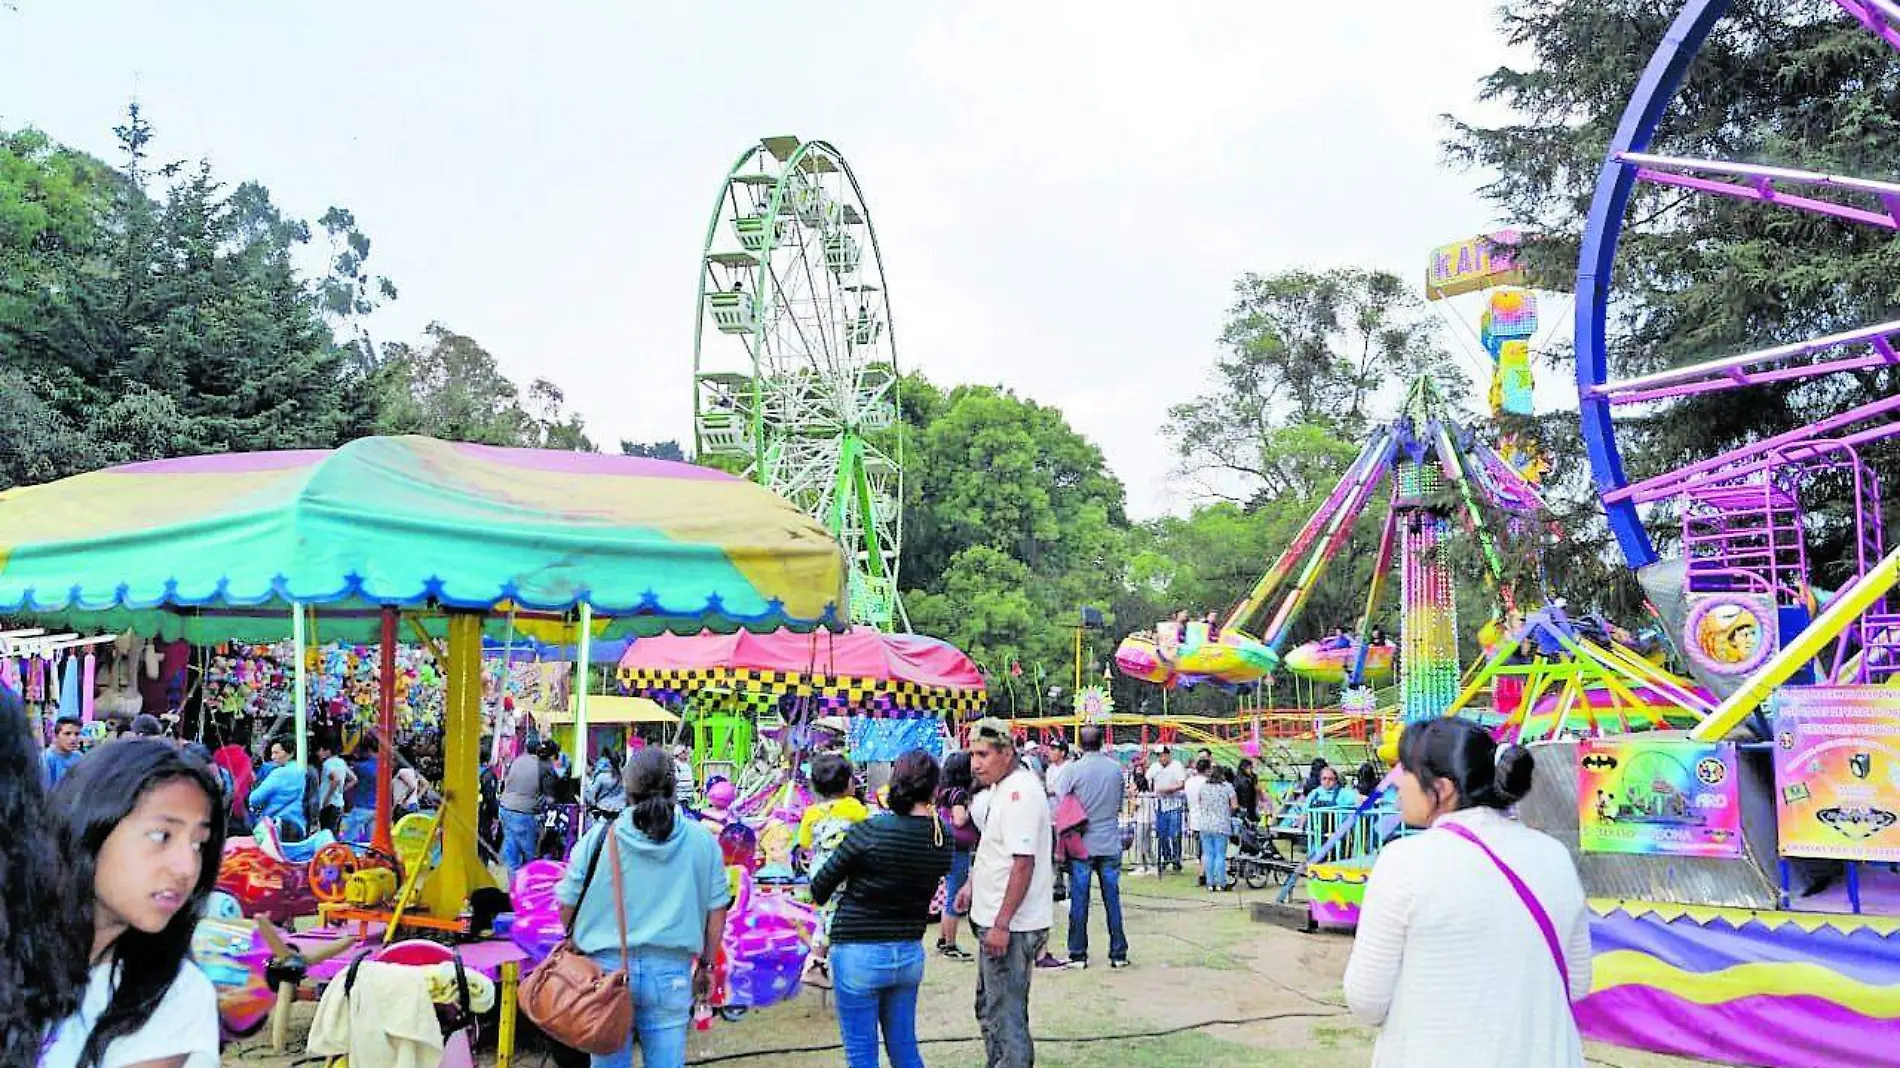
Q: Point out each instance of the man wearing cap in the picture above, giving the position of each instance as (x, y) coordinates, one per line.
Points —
(1010, 897)
(1169, 781)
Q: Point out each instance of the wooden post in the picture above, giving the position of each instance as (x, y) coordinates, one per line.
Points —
(505, 1037)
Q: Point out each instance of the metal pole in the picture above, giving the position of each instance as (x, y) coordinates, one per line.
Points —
(583, 669)
(380, 837)
(301, 677)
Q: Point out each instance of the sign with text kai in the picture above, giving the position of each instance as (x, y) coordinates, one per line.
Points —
(1658, 796)
(1837, 772)
(1475, 263)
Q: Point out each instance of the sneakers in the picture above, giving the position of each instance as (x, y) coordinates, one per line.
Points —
(1048, 962)
(1118, 962)
(953, 951)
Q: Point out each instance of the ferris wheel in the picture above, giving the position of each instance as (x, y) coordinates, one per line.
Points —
(797, 379)
(1743, 515)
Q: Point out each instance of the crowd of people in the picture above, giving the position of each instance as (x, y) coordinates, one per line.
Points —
(118, 851)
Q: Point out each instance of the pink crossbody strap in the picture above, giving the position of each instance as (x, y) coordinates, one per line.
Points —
(1529, 899)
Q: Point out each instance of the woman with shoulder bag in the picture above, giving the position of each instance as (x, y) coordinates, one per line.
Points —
(667, 936)
(1473, 940)
(953, 807)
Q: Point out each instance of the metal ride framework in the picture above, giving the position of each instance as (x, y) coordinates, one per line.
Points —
(1425, 451)
(798, 379)
(1741, 515)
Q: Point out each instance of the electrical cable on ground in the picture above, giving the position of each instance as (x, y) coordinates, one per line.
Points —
(1122, 1036)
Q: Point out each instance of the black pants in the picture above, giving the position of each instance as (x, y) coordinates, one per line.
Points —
(331, 819)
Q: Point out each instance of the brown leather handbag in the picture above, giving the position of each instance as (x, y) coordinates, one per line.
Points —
(573, 1000)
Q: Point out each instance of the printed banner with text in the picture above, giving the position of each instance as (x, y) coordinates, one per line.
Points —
(1665, 796)
(1837, 772)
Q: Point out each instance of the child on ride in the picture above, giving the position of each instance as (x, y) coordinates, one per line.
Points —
(820, 831)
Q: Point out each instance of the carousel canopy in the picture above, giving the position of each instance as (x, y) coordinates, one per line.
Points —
(218, 547)
(857, 666)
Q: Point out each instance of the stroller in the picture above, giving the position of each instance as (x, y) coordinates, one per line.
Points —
(1255, 860)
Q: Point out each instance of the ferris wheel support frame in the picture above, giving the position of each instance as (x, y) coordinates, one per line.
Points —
(851, 479)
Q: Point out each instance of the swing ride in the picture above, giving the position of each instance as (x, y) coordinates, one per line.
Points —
(1435, 469)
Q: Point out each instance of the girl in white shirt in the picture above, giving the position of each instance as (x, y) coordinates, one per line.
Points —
(1449, 961)
(134, 825)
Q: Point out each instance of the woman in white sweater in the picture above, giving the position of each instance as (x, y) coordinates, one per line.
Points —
(1451, 961)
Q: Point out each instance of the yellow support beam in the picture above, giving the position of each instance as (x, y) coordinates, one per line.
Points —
(1847, 606)
(461, 870)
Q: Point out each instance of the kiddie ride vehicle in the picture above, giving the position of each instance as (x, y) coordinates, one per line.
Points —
(281, 881)
(1331, 659)
(1182, 654)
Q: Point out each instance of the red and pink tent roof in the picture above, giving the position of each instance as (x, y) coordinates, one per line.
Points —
(859, 666)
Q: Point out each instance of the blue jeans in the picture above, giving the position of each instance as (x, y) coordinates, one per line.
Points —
(876, 987)
(661, 982)
(1110, 869)
(1214, 858)
(1168, 829)
(959, 874)
(520, 839)
(358, 823)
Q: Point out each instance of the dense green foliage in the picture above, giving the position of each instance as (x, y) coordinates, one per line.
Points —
(150, 311)
(1790, 82)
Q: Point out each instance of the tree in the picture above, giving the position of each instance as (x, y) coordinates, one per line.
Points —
(658, 450)
(450, 387)
(158, 326)
(1012, 523)
(1009, 474)
(1308, 355)
(986, 609)
(1778, 82)
(348, 293)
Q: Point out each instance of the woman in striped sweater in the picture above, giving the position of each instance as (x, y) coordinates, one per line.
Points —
(888, 867)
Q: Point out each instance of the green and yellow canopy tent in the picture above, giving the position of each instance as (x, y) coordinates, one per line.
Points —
(449, 537)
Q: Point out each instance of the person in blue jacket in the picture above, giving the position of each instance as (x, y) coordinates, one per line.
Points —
(279, 794)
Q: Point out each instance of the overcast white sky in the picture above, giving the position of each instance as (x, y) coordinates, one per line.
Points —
(1064, 192)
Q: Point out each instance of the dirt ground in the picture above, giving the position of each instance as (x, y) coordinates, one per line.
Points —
(1198, 961)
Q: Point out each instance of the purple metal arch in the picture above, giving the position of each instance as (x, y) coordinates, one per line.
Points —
(1756, 182)
(1628, 163)
(1597, 256)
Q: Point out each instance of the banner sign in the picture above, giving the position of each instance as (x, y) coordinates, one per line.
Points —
(1837, 772)
(1472, 264)
(1658, 796)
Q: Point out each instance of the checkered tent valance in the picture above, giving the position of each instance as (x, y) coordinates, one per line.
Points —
(845, 691)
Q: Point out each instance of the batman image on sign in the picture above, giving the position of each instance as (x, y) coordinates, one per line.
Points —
(1857, 822)
(1600, 762)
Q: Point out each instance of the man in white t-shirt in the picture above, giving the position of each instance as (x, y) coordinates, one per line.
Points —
(1168, 779)
(1010, 897)
(1191, 790)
